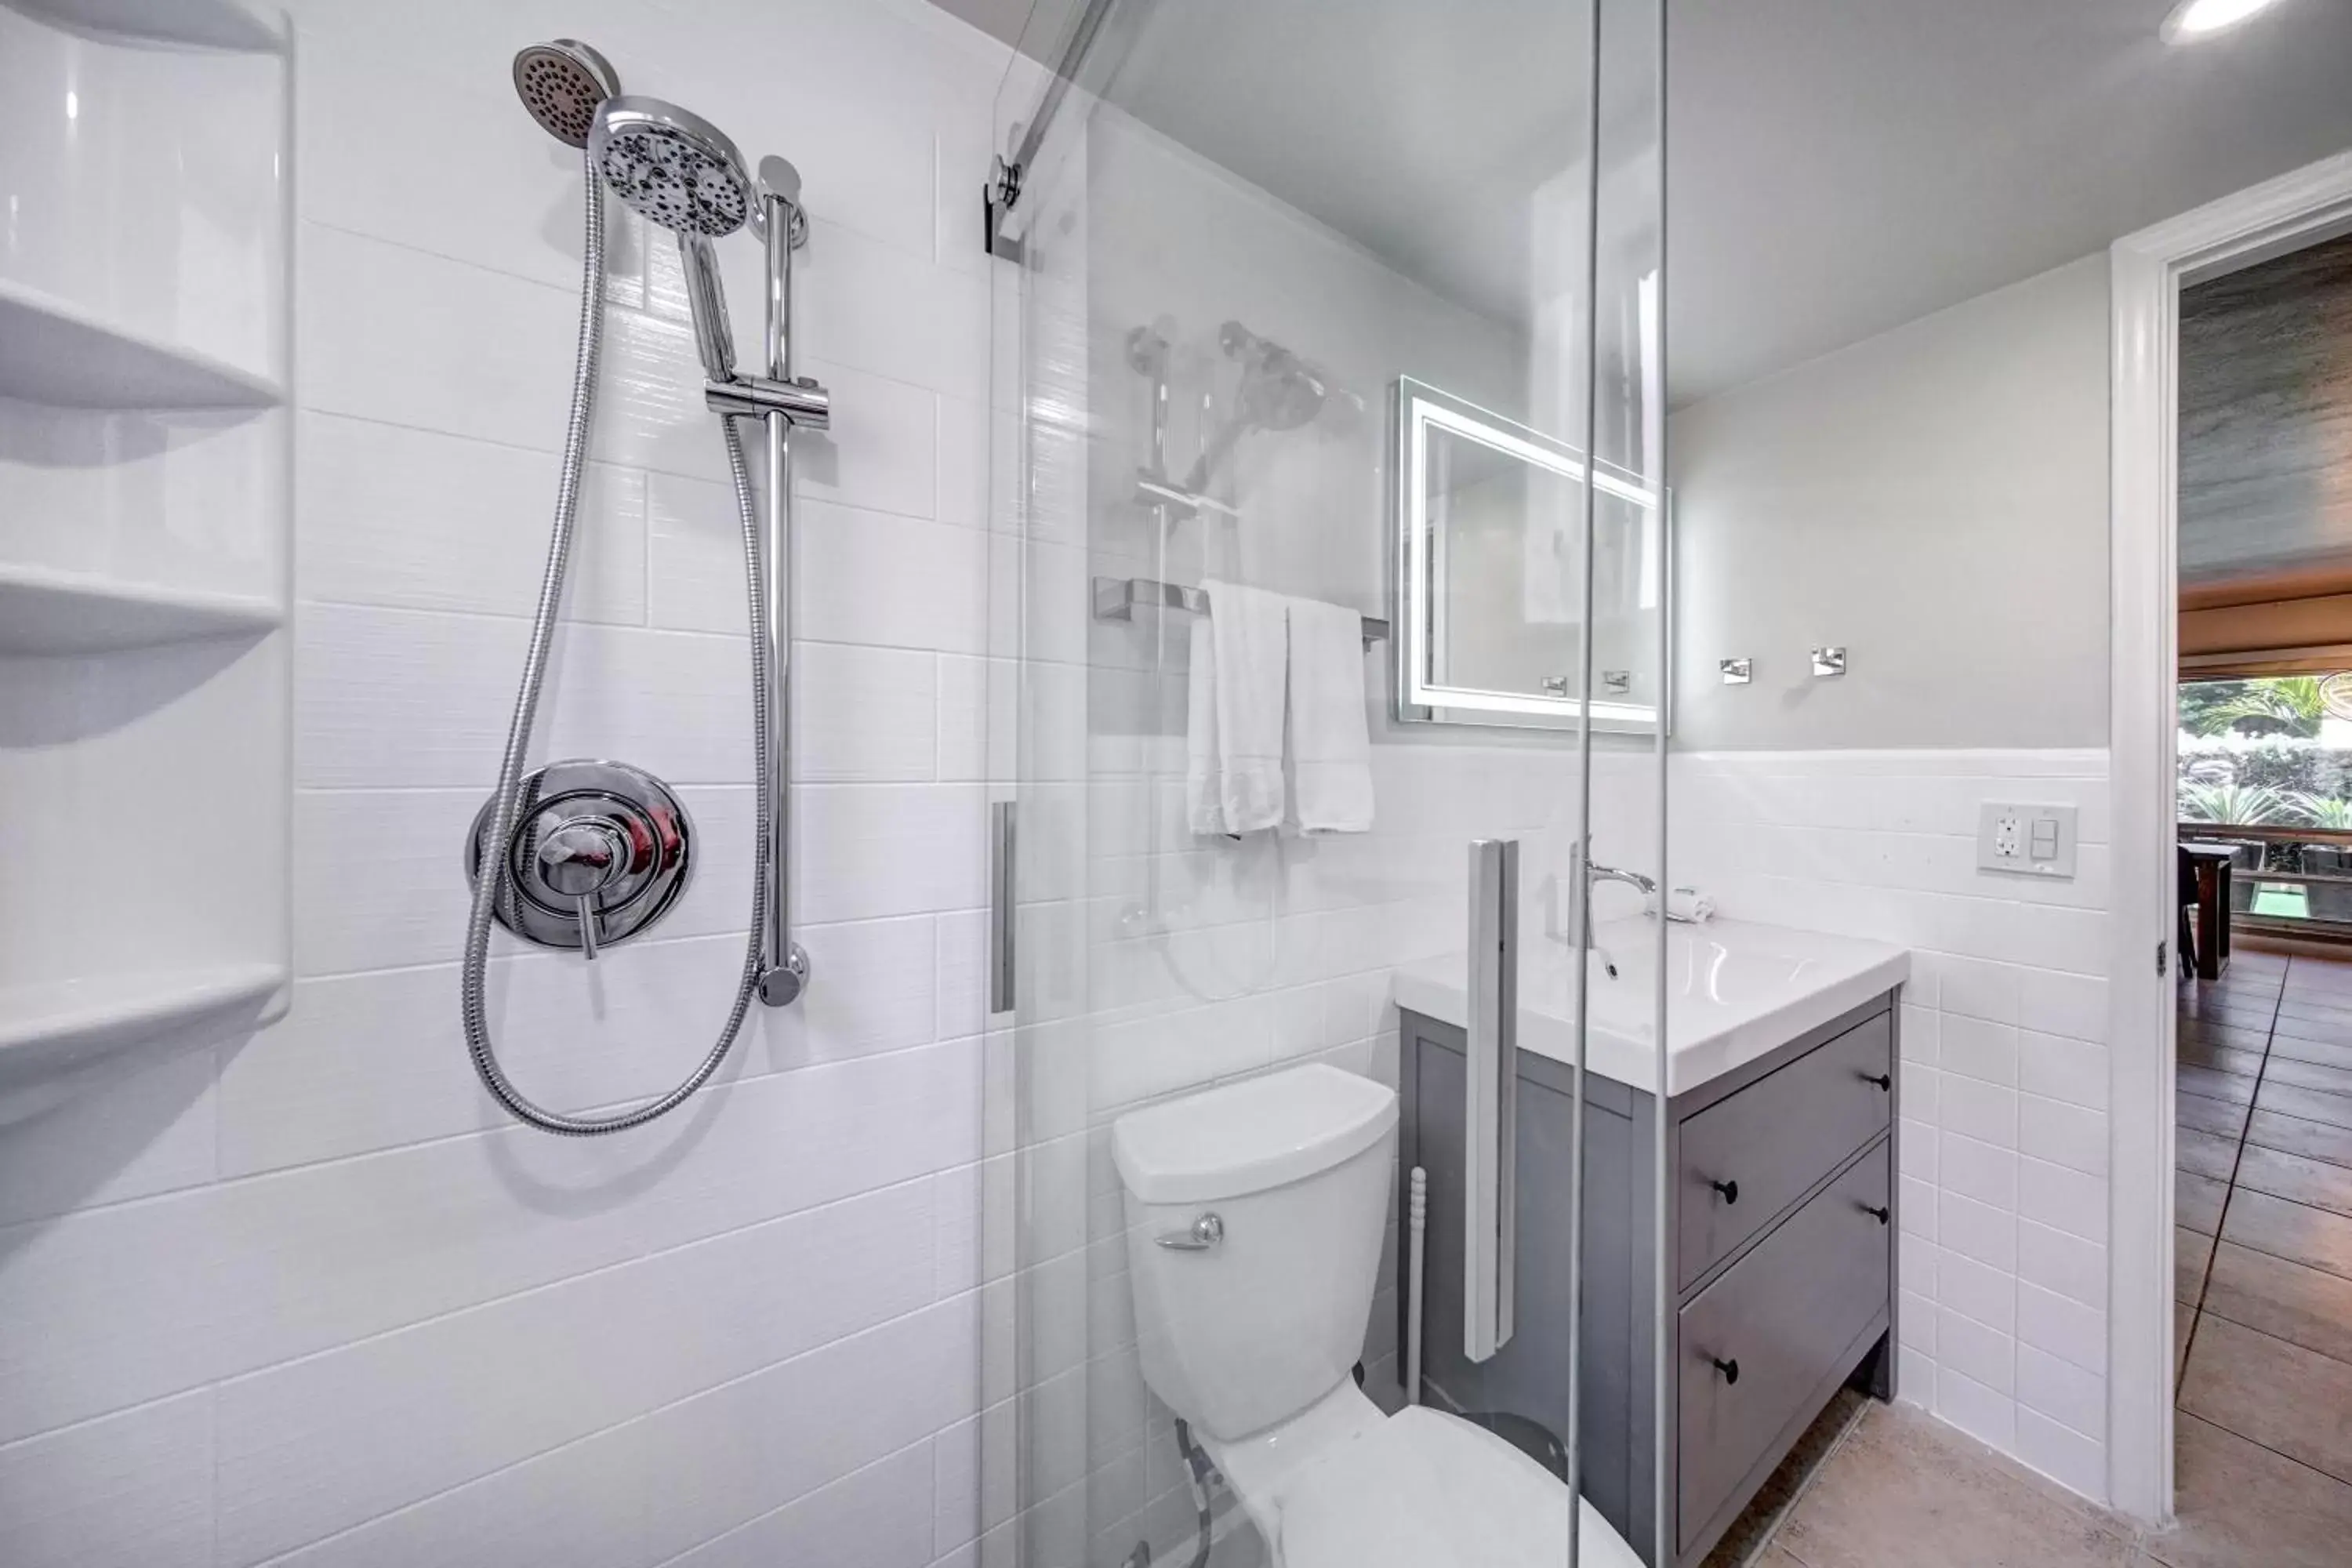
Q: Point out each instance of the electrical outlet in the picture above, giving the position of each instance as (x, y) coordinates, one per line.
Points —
(2028, 840)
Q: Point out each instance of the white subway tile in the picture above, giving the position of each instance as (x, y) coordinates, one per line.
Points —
(2062, 1134)
(1986, 1295)
(405, 699)
(378, 880)
(518, 210)
(423, 520)
(866, 851)
(1983, 1172)
(1915, 1379)
(1983, 1233)
(1985, 1111)
(134, 1491)
(1983, 1354)
(2065, 1264)
(891, 313)
(1918, 1316)
(892, 582)
(2063, 1454)
(1917, 1264)
(762, 1295)
(864, 715)
(510, 340)
(1922, 1031)
(1918, 1208)
(276, 1266)
(869, 1520)
(1985, 1414)
(2075, 1005)
(371, 1061)
(1975, 989)
(2063, 1199)
(149, 1125)
(880, 453)
(2062, 1391)
(2061, 1068)
(2065, 1329)
(1979, 1049)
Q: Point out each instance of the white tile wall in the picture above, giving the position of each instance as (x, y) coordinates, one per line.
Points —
(2002, 1254)
(309, 1298)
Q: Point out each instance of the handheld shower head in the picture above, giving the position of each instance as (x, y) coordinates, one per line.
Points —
(561, 83)
(671, 166)
(679, 171)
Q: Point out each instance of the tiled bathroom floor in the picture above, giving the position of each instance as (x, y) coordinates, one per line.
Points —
(2264, 1441)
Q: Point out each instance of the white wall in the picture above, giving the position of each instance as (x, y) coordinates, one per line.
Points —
(2003, 1139)
(1934, 499)
(308, 1298)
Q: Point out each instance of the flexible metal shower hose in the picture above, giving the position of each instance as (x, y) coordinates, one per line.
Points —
(493, 878)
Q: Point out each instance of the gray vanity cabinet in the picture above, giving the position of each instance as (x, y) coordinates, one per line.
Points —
(1780, 1228)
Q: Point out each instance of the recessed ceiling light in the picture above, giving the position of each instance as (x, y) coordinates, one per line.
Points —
(2194, 19)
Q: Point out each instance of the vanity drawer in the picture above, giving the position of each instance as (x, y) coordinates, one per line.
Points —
(1765, 1144)
(1782, 1314)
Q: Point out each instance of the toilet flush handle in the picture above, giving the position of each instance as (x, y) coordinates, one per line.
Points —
(1202, 1236)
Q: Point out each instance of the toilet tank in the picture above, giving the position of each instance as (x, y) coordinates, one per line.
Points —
(1250, 1319)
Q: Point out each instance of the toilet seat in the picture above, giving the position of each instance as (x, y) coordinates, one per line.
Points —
(1420, 1489)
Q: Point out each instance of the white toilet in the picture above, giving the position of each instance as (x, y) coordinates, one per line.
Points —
(1255, 1213)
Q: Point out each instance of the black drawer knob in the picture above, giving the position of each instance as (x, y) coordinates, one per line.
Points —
(1874, 1212)
(1730, 1190)
(1882, 1079)
(1730, 1369)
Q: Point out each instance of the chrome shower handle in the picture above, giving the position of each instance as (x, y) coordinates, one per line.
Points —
(579, 859)
(1203, 1235)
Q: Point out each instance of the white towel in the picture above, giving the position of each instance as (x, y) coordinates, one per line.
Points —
(1330, 742)
(1233, 776)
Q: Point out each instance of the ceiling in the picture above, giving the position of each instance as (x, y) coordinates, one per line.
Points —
(1833, 169)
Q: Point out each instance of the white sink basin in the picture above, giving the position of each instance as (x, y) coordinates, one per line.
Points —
(1735, 990)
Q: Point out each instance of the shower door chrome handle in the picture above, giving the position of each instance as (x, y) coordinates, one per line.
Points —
(1490, 1098)
(1002, 838)
(784, 967)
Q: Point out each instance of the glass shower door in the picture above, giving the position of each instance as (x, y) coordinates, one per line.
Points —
(1266, 935)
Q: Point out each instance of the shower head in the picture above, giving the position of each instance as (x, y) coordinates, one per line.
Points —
(561, 83)
(673, 167)
(677, 170)
(1279, 391)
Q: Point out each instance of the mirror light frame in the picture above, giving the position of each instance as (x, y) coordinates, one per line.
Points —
(1416, 409)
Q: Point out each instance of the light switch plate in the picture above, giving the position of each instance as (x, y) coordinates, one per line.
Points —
(2027, 840)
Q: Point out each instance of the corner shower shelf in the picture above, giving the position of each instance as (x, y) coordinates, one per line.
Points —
(46, 612)
(145, 524)
(51, 1028)
(54, 351)
(212, 24)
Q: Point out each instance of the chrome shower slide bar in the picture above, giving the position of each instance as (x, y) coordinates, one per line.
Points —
(1116, 599)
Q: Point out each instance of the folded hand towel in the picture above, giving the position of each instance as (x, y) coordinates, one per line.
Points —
(1686, 906)
(1234, 780)
(1331, 740)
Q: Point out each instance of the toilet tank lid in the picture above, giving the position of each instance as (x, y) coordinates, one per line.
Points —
(1251, 1136)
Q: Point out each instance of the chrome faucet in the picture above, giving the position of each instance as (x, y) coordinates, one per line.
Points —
(1580, 892)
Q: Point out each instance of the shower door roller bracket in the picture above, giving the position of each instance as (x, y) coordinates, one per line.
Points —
(996, 199)
(597, 853)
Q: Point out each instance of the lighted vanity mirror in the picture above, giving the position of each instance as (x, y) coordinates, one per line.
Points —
(1488, 522)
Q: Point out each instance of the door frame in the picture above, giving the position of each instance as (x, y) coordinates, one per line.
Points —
(2147, 273)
